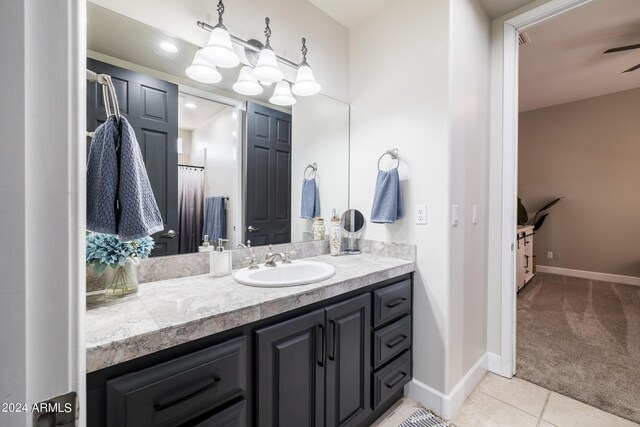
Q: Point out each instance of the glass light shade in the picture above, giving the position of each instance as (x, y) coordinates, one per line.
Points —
(282, 94)
(201, 71)
(247, 84)
(219, 51)
(267, 69)
(306, 84)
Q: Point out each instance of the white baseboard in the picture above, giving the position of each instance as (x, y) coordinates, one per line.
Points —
(448, 405)
(593, 275)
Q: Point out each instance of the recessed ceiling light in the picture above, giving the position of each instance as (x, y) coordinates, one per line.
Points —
(190, 105)
(169, 47)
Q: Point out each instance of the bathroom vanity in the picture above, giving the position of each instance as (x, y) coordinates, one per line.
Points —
(211, 352)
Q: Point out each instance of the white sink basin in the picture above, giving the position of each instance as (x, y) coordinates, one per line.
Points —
(283, 275)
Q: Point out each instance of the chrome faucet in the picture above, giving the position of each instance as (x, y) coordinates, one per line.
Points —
(243, 246)
(271, 258)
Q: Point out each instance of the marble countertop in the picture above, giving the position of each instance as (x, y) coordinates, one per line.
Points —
(167, 313)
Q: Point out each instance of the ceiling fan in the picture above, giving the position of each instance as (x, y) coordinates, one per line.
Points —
(622, 48)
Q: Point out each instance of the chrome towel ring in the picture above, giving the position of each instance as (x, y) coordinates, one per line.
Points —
(394, 155)
(314, 170)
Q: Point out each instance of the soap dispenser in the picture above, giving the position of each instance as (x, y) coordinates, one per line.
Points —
(220, 261)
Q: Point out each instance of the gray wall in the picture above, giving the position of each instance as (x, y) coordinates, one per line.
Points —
(589, 152)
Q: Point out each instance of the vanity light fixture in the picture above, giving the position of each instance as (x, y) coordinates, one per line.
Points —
(267, 69)
(282, 94)
(247, 84)
(306, 84)
(219, 51)
(202, 71)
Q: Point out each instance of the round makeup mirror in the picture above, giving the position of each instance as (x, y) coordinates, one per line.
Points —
(352, 224)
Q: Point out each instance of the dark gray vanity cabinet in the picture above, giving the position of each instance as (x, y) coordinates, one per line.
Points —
(290, 373)
(339, 362)
(348, 368)
(323, 353)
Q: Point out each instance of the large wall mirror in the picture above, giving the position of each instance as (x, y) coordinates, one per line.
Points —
(219, 163)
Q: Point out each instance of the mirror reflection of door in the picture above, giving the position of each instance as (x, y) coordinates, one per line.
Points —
(268, 176)
(151, 107)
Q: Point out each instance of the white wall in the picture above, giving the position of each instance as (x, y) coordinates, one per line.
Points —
(327, 40)
(424, 89)
(43, 203)
(470, 43)
(184, 158)
(320, 134)
(219, 137)
(399, 95)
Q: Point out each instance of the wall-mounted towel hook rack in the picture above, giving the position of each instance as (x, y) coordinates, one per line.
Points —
(314, 167)
(108, 92)
(394, 155)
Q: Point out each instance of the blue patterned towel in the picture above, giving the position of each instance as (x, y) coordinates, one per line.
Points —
(387, 200)
(139, 215)
(102, 179)
(310, 201)
(215, 219)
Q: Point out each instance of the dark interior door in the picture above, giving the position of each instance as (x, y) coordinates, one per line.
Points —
(291, 373)
(151, 107)
(348, 362)
(268, 176)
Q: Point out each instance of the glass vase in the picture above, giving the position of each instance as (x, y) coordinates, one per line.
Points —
(121, 280)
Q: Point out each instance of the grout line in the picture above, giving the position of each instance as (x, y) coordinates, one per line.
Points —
(506, 403)
(544, 408)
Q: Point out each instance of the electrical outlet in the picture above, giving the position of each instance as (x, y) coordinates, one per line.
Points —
(421, 214)
(549, 255)
(556, 255)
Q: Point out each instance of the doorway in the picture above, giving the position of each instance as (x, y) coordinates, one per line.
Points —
(506, 129)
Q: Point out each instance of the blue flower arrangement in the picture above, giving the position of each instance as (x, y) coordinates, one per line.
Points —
(106, 250)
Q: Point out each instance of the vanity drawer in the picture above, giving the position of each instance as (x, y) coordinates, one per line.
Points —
(233, 416)
(391, 340)
(391, 302)
(180, 390)
(391, 378)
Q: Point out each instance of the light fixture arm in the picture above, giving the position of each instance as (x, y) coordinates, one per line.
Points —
(267, 33)
(304, 50)
(220, 11)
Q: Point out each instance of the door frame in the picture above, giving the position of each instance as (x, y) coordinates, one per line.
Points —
(42, 297)
(504, 130)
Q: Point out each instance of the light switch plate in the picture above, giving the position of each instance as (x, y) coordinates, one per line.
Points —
(455, 215)
(421, 214)
(474, 214)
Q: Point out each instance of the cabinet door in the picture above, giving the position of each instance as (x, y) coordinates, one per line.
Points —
(349, 362)
(291, 372)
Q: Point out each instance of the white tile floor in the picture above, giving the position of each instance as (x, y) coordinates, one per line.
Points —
(500, 402)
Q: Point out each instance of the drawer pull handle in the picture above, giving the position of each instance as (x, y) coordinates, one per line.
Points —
(162, 406)
(397, 340)
(320, 345)
(331, 339)
(396, 302)
(396, 380)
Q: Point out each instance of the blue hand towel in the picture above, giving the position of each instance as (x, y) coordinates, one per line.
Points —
(387, 201)
(139, 215)
(215, 219)
(102, 179)
(310, 202)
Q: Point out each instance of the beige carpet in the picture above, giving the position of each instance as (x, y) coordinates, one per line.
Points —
(581, 338)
